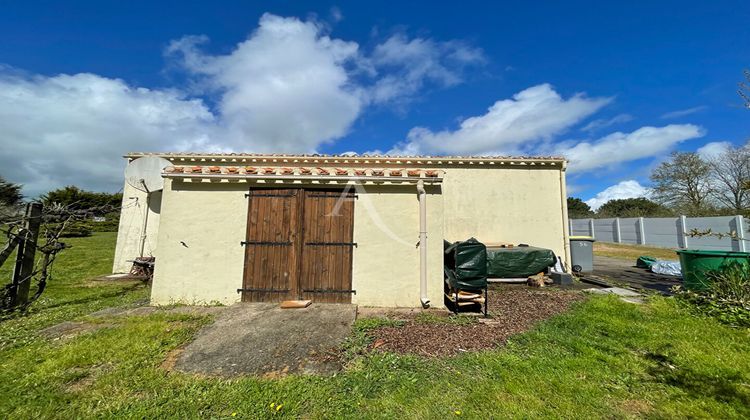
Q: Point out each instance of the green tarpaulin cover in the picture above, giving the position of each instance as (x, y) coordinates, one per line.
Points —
(644, 261)
(518, 262)
(466, 264)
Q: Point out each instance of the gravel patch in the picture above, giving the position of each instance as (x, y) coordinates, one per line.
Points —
(513, 309)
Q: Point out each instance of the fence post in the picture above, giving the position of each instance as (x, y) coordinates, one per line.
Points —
(570, 226)
(642, 231)
(591, 228)
(25, 257)
(618, 238)
(683, 231)
(740, 223)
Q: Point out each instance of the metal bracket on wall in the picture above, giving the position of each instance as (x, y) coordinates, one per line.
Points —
(263, 290)
(268, 195)
(328, 291)
(244, 243)
(354, 244)
(333, 195)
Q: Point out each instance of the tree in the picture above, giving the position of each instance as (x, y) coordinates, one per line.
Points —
(731, 174)
(744, 89)
(683, 183)
(10, 194)
(578, 209)
(632, 207)
(77, 199)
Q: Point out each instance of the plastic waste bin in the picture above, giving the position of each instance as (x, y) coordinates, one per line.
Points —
(696, 263)
(582, 253)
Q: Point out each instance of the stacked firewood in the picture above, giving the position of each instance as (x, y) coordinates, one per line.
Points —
(465, 298)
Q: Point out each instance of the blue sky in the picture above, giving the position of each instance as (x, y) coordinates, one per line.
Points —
(615, 88)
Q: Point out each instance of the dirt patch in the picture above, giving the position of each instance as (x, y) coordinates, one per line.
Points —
(514, 309)
(171, 360)
(85, 377)
(70, 329)
(262, 339)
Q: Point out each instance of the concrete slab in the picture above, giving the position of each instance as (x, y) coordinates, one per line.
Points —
(263, 339)
(619, 291)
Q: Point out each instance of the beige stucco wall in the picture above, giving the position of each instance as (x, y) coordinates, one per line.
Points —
(506, 205)
(131, 222)
(492, 204)
(211, 221)
(386, 260)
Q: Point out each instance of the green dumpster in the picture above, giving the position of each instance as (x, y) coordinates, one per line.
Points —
(695, 263)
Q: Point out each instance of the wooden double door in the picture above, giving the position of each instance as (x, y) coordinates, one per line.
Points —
(299, 245)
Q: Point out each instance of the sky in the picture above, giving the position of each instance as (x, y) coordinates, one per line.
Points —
(614, 88)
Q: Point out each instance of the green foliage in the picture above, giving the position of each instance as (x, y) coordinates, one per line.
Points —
(633, 207)
(357, 343)
(431, 318)
(578, 209)
(604, 359)
(75, 229)
(727, 297)
(78, 199)
(10, 194)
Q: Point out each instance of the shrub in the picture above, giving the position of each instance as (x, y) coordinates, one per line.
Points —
(75, 229)
(727, 297)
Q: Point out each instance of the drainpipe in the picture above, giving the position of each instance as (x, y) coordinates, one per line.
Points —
(422, 245)
(565, 221)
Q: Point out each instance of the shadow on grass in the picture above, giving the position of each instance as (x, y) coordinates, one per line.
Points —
(723, 386)
(31, 310)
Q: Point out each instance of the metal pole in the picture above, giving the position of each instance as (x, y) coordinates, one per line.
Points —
(683, 231)
(642, 231)
(24, 268)
(591, 228)
(145, 217)
(618, 238)
(740, 222)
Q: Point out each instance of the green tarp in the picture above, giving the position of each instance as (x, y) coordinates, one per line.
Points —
(466, 265)
(644, 261)
(519, 261)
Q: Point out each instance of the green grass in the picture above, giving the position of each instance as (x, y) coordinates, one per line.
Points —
(605, 358)
(632, 252)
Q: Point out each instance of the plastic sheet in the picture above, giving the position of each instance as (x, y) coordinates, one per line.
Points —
(669, 268)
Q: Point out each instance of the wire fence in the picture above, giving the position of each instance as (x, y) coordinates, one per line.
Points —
(728, 233)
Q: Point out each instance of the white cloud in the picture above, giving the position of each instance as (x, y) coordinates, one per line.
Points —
(683, 112)
(74, 129)
(623, 147)
(533, 115)
(713, 149)
(411, 63)
(624, 189)
(289, 87)
(600, 123)
(285, 89)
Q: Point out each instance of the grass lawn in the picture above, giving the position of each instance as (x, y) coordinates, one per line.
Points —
(632, 252)
(605, 358)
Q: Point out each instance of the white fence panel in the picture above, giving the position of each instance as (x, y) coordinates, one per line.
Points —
(668, 232)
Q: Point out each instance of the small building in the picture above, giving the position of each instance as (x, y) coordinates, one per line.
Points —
(362, 229)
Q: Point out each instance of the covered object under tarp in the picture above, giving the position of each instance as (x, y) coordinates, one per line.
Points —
(466, 265)
(518, 262)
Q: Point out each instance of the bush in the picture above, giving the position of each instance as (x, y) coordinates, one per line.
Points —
(111, 223)
(75, 229)
(727, 297)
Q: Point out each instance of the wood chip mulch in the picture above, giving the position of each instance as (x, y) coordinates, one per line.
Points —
(512, 309)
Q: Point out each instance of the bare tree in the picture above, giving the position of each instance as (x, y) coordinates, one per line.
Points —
(684, 183)
(744, 89)
(731, 174)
